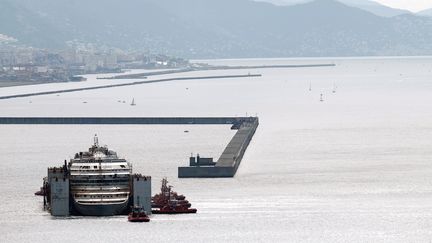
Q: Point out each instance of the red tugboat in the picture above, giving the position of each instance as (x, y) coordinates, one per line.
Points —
(161, 199)
(173, 206)
(138, 215)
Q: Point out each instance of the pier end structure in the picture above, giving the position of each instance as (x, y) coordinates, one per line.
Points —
(230, 160)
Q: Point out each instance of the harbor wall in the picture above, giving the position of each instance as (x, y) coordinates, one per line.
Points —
(121, 120)
(126, 84)
(241, 143)
(213, 68)
(230, 160)
(205, 172)
(227, 164)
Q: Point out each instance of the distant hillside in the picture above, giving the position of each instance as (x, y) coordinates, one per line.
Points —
(25, 25)
(370, 6)
(376, 8)
(216, 28)
(427, 12)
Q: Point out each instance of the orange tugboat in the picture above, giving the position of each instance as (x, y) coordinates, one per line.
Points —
(138, 215)
(169, 202)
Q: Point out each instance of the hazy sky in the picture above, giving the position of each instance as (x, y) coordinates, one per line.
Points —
(413, 5)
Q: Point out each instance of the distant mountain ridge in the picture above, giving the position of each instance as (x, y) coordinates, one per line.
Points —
(427, 12)
(216, 28)
(370, 6)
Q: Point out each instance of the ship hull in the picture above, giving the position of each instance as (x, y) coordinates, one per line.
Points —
(101, 209)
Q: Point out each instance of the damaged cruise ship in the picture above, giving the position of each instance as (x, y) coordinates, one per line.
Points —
(95, 183)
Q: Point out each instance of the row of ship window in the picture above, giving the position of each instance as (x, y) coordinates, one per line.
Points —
(96, 167)
(103, 196)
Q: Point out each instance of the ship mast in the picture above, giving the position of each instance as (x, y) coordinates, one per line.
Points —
(96, 140)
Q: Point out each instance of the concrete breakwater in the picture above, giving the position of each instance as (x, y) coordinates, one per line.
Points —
(230, 160)
(126, 84)
(227, 164)
(208, 68)
(153, 73)
(272, 66)
(120, 120)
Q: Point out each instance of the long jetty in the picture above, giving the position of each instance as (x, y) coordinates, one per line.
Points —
(125, 84)
(152, 73)
(213, 68)
(227, 164)
(120, 120)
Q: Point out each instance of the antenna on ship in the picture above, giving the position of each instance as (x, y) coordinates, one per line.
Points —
(310, 86)
(334, 87)
(321, 98)
(96, 140)
(133, 102)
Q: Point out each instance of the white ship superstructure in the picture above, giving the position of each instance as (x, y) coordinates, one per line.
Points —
(95, 183)
(99, 181)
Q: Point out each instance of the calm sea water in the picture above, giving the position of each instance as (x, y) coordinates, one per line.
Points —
(354, 168)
